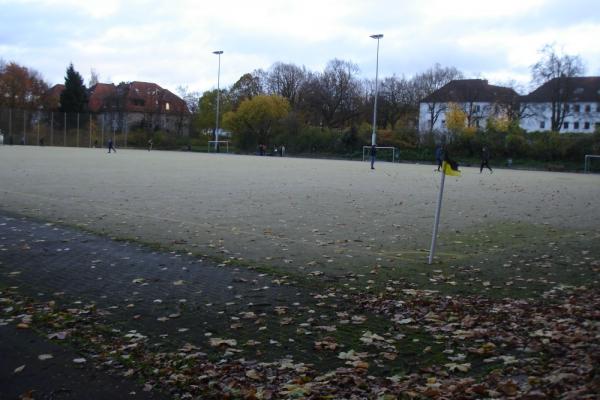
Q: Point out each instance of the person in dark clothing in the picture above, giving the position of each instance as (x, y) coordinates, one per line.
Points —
(439, 156)
(485, 160)
(111, 146)
(373, 155)
(150, 144)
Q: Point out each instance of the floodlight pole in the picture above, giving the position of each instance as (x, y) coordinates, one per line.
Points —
(374, 134)
(218, 53)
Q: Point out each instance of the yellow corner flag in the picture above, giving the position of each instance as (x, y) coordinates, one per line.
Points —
(450, 168)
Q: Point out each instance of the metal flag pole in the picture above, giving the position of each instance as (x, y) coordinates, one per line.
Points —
(437, 216)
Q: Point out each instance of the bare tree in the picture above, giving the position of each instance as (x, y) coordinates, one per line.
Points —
(398, 99)
(248, 86)
(94, 78)
(515, 110)
(430, 81)
(286, 80)
(191, 99)
(334, 96)
(553, 71)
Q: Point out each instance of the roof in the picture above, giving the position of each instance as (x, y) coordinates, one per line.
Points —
(145, 97)
(148, 96)
(99, 94)
(56, 90)
(467, 90)
(583, 89)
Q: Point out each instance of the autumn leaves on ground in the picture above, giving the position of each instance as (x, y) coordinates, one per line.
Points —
(510, 308)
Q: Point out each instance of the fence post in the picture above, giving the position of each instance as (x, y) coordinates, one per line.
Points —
(77, 142)
(102, 143)
(65, 130)
(24, 139)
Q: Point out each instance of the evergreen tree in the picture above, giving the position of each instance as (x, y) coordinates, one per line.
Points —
(74, 97)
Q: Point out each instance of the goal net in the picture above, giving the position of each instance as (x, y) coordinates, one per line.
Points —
(217, 146)
(384, 153)
(592, 163)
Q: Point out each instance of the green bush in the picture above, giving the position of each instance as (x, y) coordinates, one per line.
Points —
(516, 146)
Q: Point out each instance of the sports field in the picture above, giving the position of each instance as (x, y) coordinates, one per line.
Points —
(302, 278)
(284, 212)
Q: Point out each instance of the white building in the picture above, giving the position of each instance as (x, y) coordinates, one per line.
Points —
(478, 99)
(563, 105)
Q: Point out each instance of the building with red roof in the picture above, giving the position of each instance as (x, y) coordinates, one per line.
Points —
(131, 105)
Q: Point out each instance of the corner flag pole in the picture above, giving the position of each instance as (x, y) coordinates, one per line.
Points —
(437, 217)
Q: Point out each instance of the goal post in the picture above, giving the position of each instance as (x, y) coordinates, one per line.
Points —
(216, 145)
(394, 151)
(587, 166)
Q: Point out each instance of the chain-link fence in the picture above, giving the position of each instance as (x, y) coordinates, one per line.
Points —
(47, 128)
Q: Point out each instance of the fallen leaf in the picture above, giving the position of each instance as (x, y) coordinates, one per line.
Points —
(509, 388)
(218, 342)
(58, 335)
(252, 374)
(458, 367)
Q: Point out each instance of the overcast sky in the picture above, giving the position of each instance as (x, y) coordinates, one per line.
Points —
(170, 42)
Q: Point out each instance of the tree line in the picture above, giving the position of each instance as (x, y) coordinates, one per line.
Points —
(328, 111)
(316, 110)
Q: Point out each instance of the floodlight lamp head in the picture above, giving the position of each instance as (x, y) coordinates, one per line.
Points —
(218, 52)
(378, 36)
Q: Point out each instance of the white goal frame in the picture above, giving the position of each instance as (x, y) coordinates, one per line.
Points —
(367, 149)
(587, 161)
(218, 142)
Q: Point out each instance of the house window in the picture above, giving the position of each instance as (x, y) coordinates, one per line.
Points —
(477, 109)
(477, 122)
(597, 125)
(576, 108)
(167, 106)
(598, 107)
(586, 125)
(575, 125)
(566, 107)
(588, 108)
(542, 124)
(566, 125)
(443, 122)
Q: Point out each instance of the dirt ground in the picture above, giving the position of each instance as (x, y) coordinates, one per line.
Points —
(296, 265)
(283, 212)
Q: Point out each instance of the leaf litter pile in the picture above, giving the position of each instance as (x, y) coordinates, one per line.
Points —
(528, 330)
(431, 345)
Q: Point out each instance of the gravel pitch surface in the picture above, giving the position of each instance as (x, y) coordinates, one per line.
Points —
(280, 211)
